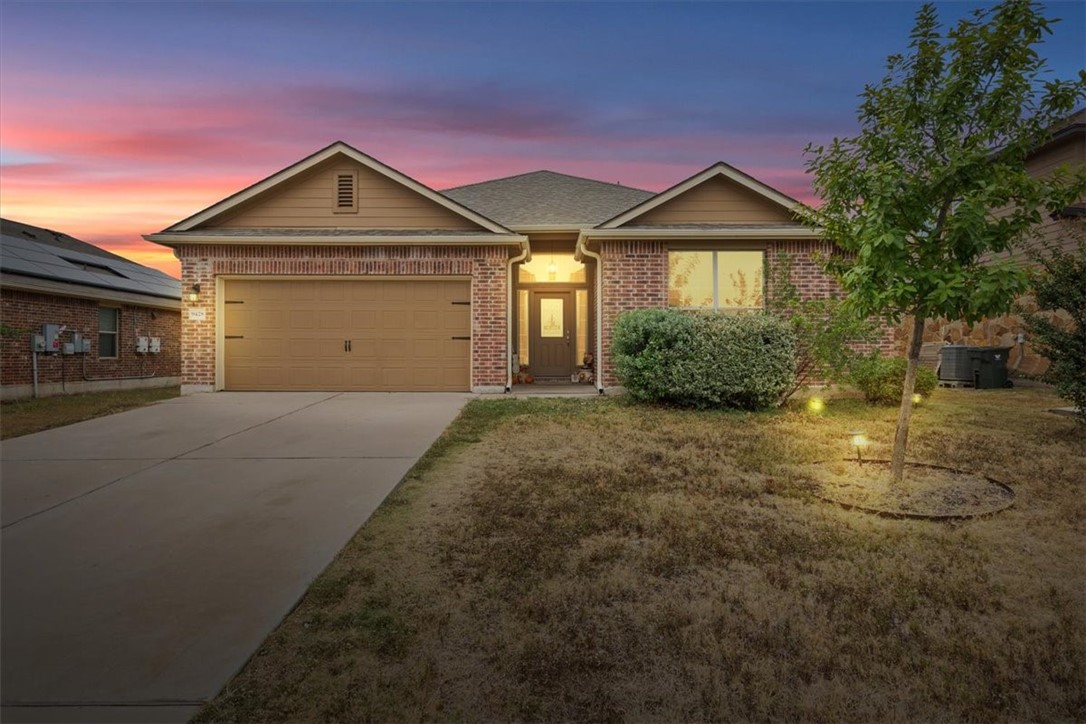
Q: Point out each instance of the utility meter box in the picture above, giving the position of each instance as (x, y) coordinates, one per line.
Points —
(77, 343)
(51, 332)
(156, 345)
(67, 348)
(84, 347)
(142, 344)
(37, 343)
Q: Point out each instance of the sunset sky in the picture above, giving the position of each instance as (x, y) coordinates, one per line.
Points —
(117, 120)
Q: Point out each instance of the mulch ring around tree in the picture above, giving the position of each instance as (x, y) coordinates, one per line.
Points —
(931, 492)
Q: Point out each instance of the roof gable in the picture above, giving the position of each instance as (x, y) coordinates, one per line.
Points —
(301, 196)
(721, 194)
(542, 198)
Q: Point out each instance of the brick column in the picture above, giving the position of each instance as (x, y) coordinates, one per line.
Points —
(634, 277)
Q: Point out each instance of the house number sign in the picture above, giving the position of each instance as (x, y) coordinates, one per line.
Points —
(197, 315)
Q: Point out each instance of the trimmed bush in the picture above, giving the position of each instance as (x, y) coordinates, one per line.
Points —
(704, 359)
(881, 379)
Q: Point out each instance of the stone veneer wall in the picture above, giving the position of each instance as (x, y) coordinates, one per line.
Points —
(995, 332)
(486, 265)
(635, 275)
(26, 312)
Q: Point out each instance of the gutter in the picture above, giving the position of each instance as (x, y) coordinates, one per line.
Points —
(524, 254)
(798, 232)
(174, 240)
(580, 251)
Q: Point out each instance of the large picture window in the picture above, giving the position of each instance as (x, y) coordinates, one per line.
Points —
(108, 324)
(718, 279)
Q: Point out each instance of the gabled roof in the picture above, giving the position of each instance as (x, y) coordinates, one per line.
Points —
(336, 149)
(31, 251)
(547, 198)
(718, 169)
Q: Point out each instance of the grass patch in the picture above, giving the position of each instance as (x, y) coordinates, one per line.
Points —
(22, 417)
(599, 560)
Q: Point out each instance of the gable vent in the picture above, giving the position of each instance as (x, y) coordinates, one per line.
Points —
(346, 196)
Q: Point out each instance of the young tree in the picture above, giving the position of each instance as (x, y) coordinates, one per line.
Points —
(934, 187)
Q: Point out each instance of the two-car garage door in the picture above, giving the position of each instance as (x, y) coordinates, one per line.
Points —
(324, 334)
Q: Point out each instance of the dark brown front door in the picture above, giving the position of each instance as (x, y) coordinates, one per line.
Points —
(551, 322)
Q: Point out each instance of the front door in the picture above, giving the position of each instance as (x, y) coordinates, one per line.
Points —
(551, 321)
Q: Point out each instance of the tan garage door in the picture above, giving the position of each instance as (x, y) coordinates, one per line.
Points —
(387, 335)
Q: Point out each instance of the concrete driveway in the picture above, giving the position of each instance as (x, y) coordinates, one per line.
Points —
(147, 554)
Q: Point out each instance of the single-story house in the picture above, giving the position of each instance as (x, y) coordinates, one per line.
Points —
(76, 318)
(341, 273)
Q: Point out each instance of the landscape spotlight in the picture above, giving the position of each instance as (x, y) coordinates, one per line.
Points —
(816, 404)
(859, 440)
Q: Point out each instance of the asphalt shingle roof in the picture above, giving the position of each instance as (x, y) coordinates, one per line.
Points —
(31, 251)
(547, 198)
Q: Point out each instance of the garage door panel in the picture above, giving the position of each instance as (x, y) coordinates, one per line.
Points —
(400, 332)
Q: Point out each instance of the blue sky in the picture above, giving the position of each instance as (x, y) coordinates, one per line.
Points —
(139, 114)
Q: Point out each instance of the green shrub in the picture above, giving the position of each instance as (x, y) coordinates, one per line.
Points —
(881, 379)
(704, 359)
(1058, 285)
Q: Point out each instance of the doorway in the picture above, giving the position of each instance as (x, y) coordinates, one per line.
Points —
(552, 331)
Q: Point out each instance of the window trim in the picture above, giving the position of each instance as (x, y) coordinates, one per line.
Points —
(116, 332)
(716, 251)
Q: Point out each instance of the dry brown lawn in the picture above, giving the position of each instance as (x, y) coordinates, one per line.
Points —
(22, 417)
(587, 560)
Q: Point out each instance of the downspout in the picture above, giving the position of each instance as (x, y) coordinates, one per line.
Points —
(583, 250)
(509, 314)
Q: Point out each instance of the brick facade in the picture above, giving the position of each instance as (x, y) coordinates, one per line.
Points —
(485, 265)
(25, 312)
(635, 276)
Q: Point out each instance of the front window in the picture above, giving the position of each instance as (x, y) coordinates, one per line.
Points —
(108, 324)
(720, 279)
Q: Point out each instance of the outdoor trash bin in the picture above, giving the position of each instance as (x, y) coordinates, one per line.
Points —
(989, 367)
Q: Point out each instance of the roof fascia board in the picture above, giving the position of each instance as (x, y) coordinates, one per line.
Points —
(718, 169)
(798, 232)
(80, 291)
(178, 239)
(339, 147)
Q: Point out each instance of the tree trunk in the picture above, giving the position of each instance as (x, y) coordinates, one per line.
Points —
(916, 341)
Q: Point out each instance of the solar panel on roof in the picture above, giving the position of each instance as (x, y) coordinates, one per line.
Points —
(25, 256)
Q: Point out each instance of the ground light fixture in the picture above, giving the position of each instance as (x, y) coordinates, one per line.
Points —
(917, 397)
(858, 438)
(816, 405)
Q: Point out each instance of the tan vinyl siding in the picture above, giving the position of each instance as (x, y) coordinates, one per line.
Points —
(309, 202)
(1063, 233)
(718, 200)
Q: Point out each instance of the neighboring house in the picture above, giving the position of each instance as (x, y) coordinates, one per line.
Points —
(341, 273)
(1066, 230)
(50, 278)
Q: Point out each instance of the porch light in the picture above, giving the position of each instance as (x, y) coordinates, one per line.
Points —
(816, 405)
(858, 438)
(552, 270)
(194, 294)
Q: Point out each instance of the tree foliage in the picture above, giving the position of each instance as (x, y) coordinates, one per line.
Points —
(934, 188)
(1060, 284)
(826, 331)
